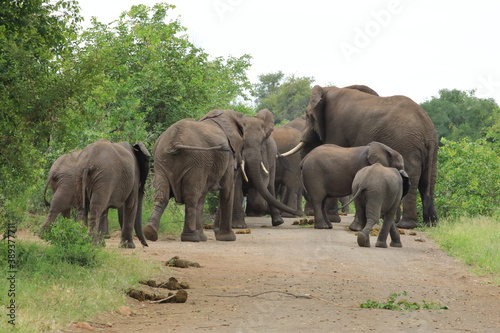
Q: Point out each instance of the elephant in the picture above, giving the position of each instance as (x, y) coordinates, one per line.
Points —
(259, 153)
(193, 158)
(112, 175)
(378, 192)
(61, 180)
(287, 181)
(354, 116)
(329, 170)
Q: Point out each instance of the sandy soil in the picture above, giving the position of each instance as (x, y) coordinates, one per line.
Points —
(296, 279)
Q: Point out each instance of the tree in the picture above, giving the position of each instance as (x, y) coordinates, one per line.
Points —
(286, 97)
(459, 114)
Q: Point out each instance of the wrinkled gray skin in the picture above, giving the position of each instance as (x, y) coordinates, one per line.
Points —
(112, 175)
(378, 192)
(329, 170)
(61, 180)
(193, 158)
(287, 181)
(258, 131)
(356, 115)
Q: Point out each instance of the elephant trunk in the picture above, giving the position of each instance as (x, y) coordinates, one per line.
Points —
(138, 221)
(254, 171)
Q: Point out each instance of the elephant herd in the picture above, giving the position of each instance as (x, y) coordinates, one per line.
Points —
(351, 141)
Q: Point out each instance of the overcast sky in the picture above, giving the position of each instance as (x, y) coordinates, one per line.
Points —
(397, 47)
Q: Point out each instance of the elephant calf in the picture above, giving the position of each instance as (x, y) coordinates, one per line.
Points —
(378, 192)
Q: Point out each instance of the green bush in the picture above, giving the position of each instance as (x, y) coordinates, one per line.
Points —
(70, 242)
(468, 180)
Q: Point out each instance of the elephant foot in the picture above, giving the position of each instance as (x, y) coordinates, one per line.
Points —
(226, 237)
(239, 225)
(381, 244)
(364, 239)
(203, 237)
(150, 233)
(406, 224)
(396, 244)
(335, 218)
(190, 237)
(355, 225)
(322, 226)
(277, 220)
(127, 244)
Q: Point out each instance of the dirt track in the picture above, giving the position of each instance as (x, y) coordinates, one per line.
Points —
(287, 263)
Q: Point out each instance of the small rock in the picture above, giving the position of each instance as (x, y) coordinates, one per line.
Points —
(412, 233)
(419, 239)
(184, 285)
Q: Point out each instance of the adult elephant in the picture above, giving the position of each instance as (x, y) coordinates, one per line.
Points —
(287, 181)
(329, 170)
(355, 115)
(193, 158)
(258, 175)
(113, 175)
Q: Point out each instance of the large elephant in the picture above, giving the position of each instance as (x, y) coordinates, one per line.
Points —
(355, 115)
(113, 175)
(193, 158)
(329, 170)
(61, 180)
(257, 182)
(287, 181)
(378, 191)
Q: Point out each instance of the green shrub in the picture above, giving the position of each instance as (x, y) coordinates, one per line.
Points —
(70, 242)
(468, 180)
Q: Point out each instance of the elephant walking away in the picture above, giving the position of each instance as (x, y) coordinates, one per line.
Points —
(378, 192)
(113, 175)
(355, 116)
(329, 170)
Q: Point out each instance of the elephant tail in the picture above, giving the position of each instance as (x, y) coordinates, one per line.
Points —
(360, 189)
(83, 184)
(45, 194)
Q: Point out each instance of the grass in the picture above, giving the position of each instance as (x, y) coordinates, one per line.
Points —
(394, 303)
(474, 241)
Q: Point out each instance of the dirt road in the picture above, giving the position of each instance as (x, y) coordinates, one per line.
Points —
(311, 281)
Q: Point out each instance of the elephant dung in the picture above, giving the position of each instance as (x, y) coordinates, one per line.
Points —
(243, 231)
(140, 295)
(181, 263)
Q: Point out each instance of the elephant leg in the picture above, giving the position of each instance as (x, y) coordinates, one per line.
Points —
(367, 221)
(384, 231)
(320, 214)
(190, 232)
(358, 223)
(150, 230)
(409, 219)
(226, 203)
(276, 218)
(199, 220)
(238, 219)
(129, 214)
(95, 212)
(395, 236)
(103, 223)
(332, 209)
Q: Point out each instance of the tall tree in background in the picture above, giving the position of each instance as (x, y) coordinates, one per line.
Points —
(286, 97)
(458, 114)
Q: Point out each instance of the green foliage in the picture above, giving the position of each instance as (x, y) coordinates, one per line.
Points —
(286, 97)
(468, 181)
(401, 305)
(70, 242)
(459, 114)
(475, 241)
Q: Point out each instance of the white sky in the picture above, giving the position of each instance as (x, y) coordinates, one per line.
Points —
(397, 47)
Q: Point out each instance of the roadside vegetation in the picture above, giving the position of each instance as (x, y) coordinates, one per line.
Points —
(63, 87)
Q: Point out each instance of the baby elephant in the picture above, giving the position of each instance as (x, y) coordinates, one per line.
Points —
(378, 192)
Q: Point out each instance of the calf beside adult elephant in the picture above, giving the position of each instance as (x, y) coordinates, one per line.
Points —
(329, 170)
(193, 158)
(354, 116)
(378, 191)
(112, 175)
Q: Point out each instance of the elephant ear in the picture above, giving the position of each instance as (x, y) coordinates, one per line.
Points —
(406, 182)
(363, 88)
(231, 122)
(142, 156)
(315, 110)
(267, 117)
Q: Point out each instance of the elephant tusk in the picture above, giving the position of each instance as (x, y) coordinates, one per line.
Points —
(243, 170)
(295, 149)
(264, 168)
